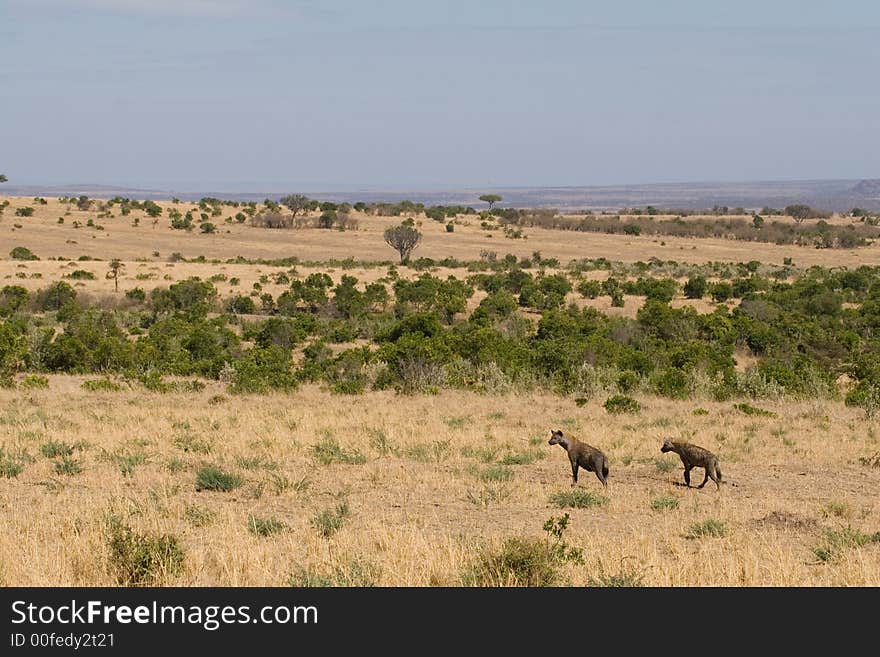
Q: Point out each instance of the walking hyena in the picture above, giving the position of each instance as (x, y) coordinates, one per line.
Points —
(694, 456)
(582, 455)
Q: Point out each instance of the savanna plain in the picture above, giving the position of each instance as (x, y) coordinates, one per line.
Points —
(251, 403)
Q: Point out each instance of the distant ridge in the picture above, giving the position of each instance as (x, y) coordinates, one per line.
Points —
(835, 195)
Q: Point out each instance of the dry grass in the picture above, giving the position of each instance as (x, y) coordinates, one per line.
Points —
(421, 521)
(431, 482)
(119, 239)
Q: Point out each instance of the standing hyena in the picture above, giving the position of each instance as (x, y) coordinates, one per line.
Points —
(694, 456)
(582, 455)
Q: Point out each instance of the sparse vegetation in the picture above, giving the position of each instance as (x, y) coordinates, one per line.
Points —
(329, 451)
(710, 528)
(577, 498)
(265, 526)
(22, 253)
(211, 477)
(142, 559)
(621, 404)
(330, 520)
(518, 562)
(664, 503)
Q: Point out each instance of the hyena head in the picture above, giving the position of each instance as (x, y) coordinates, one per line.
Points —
(555, 437)
(667, 446)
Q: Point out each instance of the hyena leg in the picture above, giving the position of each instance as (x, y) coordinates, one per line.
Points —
(715, 473)
(687, 475)
(706, 478)
(574, 474)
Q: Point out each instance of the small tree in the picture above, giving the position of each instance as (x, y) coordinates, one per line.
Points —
(799, 212)
(696, 287)
(115, 266)
(295, 203)
(403, 239)
(3, 178)
(491, 199)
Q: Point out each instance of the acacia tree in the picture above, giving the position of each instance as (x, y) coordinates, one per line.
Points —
(403, 239)
(115, 266)
(799, 212)
(491, 199)
(3, 178)
(296, 203)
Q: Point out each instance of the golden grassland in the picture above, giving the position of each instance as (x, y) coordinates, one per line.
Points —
(432, 492)
(120, 239)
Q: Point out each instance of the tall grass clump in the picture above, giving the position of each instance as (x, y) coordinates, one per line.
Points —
(141, 559)
(211, 477)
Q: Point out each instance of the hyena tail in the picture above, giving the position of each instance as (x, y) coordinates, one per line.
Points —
(605, 471)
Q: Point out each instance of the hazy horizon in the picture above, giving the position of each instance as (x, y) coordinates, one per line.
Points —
(267, 95)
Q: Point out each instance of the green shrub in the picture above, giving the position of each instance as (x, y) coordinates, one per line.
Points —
(138, 559)
(708, 528)
(434, 452)
(328, 451)
(67, 466)
(696, 287)
(10, 466)
(836, 541)
(626, 577)
(128, 462)
(589, 289)
(81, 275)
(35, 382)
(577, 498)
(519, 562)
(12, 299)
(618, 404)
(55, 296)
(22, 253)
(265, 526)
(664, 502)
(354, 573)
(748, 409)
(241, 305)
(55, 448)
(329, 521)
(101, 385)
(671, 382)
(495, 473)
(211, 477)
(720, 291)
(262, 370)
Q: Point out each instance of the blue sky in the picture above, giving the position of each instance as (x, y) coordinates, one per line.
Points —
(252, 95)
